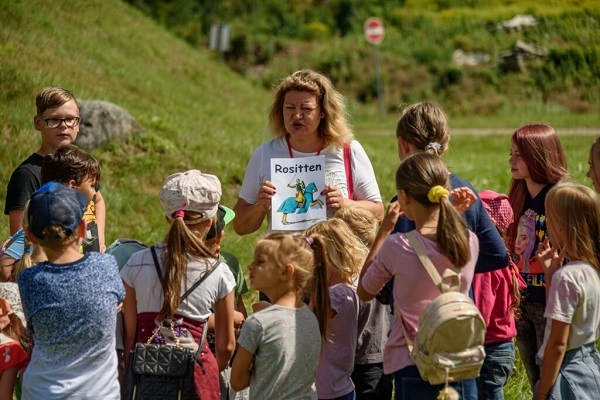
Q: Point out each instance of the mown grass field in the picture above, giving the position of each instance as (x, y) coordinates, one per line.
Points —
(197, 114)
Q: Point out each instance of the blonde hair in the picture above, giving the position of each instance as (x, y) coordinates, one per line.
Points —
(334, 127)
(423, 124)
(307, 254)
(416, 176)
(575, 210)
(362, 223)
(182, 243)
(345, 252)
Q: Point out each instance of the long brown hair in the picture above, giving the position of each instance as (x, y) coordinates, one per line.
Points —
(183, 244)
(416, 175)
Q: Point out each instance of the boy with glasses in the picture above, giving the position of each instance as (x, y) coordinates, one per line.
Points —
(57, 120)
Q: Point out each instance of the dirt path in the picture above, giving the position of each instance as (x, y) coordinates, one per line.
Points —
(492, 131)
(569, 131)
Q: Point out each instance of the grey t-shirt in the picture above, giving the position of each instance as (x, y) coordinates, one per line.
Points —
(286, 343)
(373, 331)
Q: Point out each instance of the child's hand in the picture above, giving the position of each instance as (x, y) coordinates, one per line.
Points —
(462, 199)
(549, 257)
(394, 211)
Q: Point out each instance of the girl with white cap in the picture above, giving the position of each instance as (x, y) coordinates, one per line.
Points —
(190, 201)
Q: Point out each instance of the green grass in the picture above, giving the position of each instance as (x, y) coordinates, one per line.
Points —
(197, 114)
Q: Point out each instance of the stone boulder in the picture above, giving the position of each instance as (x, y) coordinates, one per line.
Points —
(102, 121)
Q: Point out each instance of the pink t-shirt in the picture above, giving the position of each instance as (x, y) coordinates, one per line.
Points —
(413, 288)
(337, 357)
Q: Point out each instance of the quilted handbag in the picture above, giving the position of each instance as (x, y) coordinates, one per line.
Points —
(159, 371)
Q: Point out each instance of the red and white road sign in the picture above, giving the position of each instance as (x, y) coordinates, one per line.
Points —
(374, 32)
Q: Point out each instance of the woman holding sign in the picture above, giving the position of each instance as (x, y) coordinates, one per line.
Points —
(308, 118)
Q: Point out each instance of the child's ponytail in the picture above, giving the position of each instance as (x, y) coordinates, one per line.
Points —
(181, 243)
(320, 293)
(452, 233)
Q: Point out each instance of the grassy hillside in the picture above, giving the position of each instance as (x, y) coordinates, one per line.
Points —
(197, 113)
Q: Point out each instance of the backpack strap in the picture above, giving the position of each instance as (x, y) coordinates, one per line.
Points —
(157, 265)
(435, 277)
(348, 169)
(194, 286)
(185, 295)
(430, 268)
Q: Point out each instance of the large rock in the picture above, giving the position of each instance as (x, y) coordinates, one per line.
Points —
(102, 121)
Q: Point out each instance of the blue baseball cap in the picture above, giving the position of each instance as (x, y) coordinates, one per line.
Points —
(55, 204)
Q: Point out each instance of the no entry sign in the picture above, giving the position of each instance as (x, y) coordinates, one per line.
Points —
(374, 30)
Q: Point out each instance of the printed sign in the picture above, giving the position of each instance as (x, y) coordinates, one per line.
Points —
(298, 203)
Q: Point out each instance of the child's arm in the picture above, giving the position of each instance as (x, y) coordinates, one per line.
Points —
(225, 337)
(387, 227)
(129, 320)
(241, 369)
(7, 382)
(553, 357)
(100, 211)
(241, 307)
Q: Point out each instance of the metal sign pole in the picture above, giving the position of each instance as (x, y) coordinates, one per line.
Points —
(374, 33)
(378, 78)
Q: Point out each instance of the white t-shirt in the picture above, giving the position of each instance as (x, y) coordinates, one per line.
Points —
(258, 171)
(140, 273)
(574, 298)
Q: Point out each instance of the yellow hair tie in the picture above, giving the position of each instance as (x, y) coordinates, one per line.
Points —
(436, 193)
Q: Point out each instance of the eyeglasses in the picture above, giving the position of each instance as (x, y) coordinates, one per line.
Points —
(56, 122)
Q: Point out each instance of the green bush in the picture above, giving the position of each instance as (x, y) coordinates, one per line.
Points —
(315, 31)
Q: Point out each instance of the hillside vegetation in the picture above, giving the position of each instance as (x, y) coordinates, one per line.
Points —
(270, 38)
(198, 114)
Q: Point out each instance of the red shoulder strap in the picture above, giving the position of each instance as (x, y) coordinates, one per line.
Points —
(348, 168)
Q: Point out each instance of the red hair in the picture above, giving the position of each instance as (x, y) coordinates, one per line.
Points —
(540, 148)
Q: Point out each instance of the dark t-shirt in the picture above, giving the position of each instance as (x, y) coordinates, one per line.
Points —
(25, 180)
(534, 216)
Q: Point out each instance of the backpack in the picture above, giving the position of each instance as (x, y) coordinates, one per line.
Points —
(449, 342)
(123, 248)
